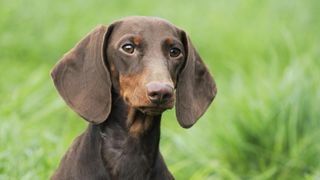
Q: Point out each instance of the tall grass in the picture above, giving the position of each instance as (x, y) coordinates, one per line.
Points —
(264, 123)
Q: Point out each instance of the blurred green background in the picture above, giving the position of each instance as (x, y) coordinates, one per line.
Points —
(264, 55)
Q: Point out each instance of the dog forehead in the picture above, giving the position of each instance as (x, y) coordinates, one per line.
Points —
(145, 27)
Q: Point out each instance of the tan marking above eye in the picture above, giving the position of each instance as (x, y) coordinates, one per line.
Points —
(169, 41)
(137, 40)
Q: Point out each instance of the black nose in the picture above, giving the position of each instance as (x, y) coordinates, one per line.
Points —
(159, 92)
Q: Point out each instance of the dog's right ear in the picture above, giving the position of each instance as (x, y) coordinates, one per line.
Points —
(82, 78)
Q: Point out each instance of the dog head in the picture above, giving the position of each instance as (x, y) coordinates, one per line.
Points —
(151, 63)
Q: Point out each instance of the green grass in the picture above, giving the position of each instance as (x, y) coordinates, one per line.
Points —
(265, 57)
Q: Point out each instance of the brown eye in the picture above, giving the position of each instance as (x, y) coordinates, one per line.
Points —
(128, 48)
(175, 52)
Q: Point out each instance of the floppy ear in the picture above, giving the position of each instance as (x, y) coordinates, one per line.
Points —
(196, 88)
(82, 79)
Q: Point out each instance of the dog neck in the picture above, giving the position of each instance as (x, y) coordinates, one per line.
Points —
(127, 134)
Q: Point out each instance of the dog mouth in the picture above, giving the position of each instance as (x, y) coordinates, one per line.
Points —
(153, 110)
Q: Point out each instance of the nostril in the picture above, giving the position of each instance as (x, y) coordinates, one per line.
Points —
(166, 96)
(154, 95)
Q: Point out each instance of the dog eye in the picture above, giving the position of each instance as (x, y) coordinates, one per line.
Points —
(128, 48)
(175, 52)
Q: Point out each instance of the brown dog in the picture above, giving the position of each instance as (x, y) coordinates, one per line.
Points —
(121, 78)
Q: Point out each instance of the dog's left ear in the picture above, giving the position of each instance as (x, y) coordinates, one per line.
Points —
(196, 88)
(82, 78)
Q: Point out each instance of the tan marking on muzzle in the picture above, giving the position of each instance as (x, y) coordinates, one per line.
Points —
(133, 90)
